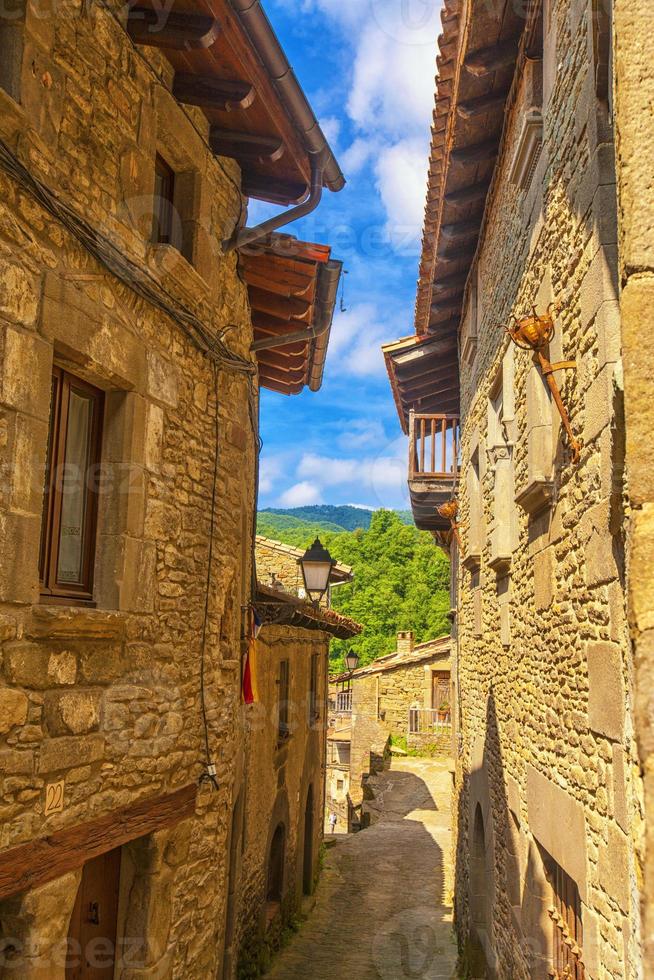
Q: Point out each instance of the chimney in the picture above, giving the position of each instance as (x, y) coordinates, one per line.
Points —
(405, 641)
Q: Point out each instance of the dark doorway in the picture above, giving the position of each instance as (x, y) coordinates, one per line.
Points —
(479, 896)
(234, 856)
(307, 876)
(93, 924)
(276, 865)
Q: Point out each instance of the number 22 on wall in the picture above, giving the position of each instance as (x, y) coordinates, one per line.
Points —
(54, 798)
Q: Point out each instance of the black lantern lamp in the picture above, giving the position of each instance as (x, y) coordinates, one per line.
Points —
(351, 660)
(317, 566)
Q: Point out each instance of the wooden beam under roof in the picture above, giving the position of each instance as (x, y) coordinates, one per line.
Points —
(245, 147)
(486, 60)
(444, 312)
(279, 306)
(281, 282)
(278, 359)
(461, 229)
(468, 195)
(436, 370)
(163, 28)
(209, 92)
(475, 153)
(276, 191)
(483, 104)
(447, 283)
(46, 858)
(417, 394)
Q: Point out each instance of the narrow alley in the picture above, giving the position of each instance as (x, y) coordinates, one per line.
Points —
(383, 905)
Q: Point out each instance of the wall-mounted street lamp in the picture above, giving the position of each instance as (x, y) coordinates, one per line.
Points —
(317, 564)
(351, 661)
(535, 333)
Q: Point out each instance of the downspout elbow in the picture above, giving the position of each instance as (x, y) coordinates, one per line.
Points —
(246, 236)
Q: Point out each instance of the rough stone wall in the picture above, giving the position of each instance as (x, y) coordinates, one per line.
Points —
(548, 752)
(634, 96)
(280, 561)
(369, 734)
(402, 688)
(279, 774)
(108, 699)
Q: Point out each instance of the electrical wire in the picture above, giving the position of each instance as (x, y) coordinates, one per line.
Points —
(136, 277)
(208, 775)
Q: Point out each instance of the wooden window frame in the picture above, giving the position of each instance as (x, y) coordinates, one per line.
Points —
(12, 33)
(314, 713)
(284, 683)
(51, 589)
(567, 928)
(163, 203)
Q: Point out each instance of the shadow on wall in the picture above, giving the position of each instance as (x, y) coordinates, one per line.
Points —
(502, 894)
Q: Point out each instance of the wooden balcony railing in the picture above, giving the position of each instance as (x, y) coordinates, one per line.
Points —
(433, 446)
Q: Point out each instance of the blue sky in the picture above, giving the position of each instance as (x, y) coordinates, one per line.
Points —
(367, 67)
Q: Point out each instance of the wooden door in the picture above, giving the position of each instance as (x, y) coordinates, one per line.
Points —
(440, 689)
(92, 933)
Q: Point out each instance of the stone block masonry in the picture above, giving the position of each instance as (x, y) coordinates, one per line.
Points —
(548, 773)
(104, 700)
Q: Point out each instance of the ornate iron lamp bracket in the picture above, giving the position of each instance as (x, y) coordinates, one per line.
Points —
(449, 511)
(534, 333)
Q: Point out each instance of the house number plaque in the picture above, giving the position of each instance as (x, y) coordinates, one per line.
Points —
(54, 798)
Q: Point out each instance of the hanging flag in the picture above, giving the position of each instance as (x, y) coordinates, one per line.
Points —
(250, 692)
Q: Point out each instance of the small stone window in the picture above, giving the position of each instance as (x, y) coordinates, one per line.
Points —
(12, 24)
(164, 226)
(530, 140)
(501, 442)
(475, 546)
(314, 713)
(283, 682)
(70, 501)
(602, 14)
(469, 325)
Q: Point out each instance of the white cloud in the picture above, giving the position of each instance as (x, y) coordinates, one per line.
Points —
(356, 339)
(331, 127)
(380, 477)
(301, 495)
(270, 470)
(393, 84)
(361, 432)
(401, 172)
(357, 155)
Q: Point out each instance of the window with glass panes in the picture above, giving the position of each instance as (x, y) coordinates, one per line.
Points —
(70, 501)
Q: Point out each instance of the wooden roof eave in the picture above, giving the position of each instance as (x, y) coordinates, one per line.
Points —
(228, 62)
(459, 187)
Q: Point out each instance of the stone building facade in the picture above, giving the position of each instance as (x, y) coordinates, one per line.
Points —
(404, 695)
(522, 220)
(126, 328)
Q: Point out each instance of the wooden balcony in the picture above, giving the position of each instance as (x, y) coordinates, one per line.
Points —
(433, 466)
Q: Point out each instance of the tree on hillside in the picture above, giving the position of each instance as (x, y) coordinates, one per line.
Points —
(401, 582)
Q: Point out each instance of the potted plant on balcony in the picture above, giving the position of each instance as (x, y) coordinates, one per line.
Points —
(444, 712)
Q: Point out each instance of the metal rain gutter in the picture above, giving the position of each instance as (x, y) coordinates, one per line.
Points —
(329, 278)
(259, 29)
(246, 236)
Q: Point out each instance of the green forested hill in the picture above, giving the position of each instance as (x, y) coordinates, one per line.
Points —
(328, 516)
(401, 579)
